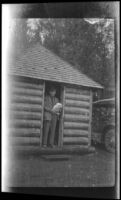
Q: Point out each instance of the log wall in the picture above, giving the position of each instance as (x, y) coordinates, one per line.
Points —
(26, 112)
(76, 122)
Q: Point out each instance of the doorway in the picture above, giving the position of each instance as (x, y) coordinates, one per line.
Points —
(58, 130)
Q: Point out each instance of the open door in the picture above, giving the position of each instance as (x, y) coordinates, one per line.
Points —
(59, 95)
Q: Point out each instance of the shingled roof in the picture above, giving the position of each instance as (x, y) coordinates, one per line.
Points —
(38, 62)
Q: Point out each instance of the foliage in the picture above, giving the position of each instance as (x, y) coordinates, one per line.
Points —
(88, 47)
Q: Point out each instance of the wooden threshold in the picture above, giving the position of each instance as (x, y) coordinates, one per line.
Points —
(34, 150)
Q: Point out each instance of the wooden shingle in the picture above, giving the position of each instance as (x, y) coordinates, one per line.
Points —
(40, 63)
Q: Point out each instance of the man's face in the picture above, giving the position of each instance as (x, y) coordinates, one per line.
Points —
(52, 93)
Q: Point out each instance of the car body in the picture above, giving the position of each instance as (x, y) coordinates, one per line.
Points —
(103, 123)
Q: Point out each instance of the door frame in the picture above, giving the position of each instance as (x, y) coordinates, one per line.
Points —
(61, 123)
(41, 128)
(90, 118)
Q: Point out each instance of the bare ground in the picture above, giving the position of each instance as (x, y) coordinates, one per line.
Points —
(90, 170)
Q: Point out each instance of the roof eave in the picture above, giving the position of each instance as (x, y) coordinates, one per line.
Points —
(97, 87)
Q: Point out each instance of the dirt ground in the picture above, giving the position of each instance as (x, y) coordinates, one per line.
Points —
(90, 170)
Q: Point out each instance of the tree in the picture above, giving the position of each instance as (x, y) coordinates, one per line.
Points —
(19, 39)
(88, 47)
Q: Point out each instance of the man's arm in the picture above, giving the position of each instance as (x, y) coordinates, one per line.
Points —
(50, 110)
(46, 108)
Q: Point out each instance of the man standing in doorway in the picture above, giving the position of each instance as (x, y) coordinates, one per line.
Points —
(50, 117)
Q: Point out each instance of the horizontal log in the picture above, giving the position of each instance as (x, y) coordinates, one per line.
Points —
(78, 149)
(75, 140)
(77, 91)
(76, 118)
(27, 99)
(77, 97)
(67, 149)
(25, 132)
(74, 125)
(25, 123)
(75, 133)
(27, 91)
(74, 110)
(24, 141)
(74, 103)
(26, 107)
(26, 115)
(27, 85)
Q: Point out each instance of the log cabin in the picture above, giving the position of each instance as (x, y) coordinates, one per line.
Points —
(29, 79)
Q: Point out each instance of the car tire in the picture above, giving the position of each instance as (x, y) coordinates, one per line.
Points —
(109, 140)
